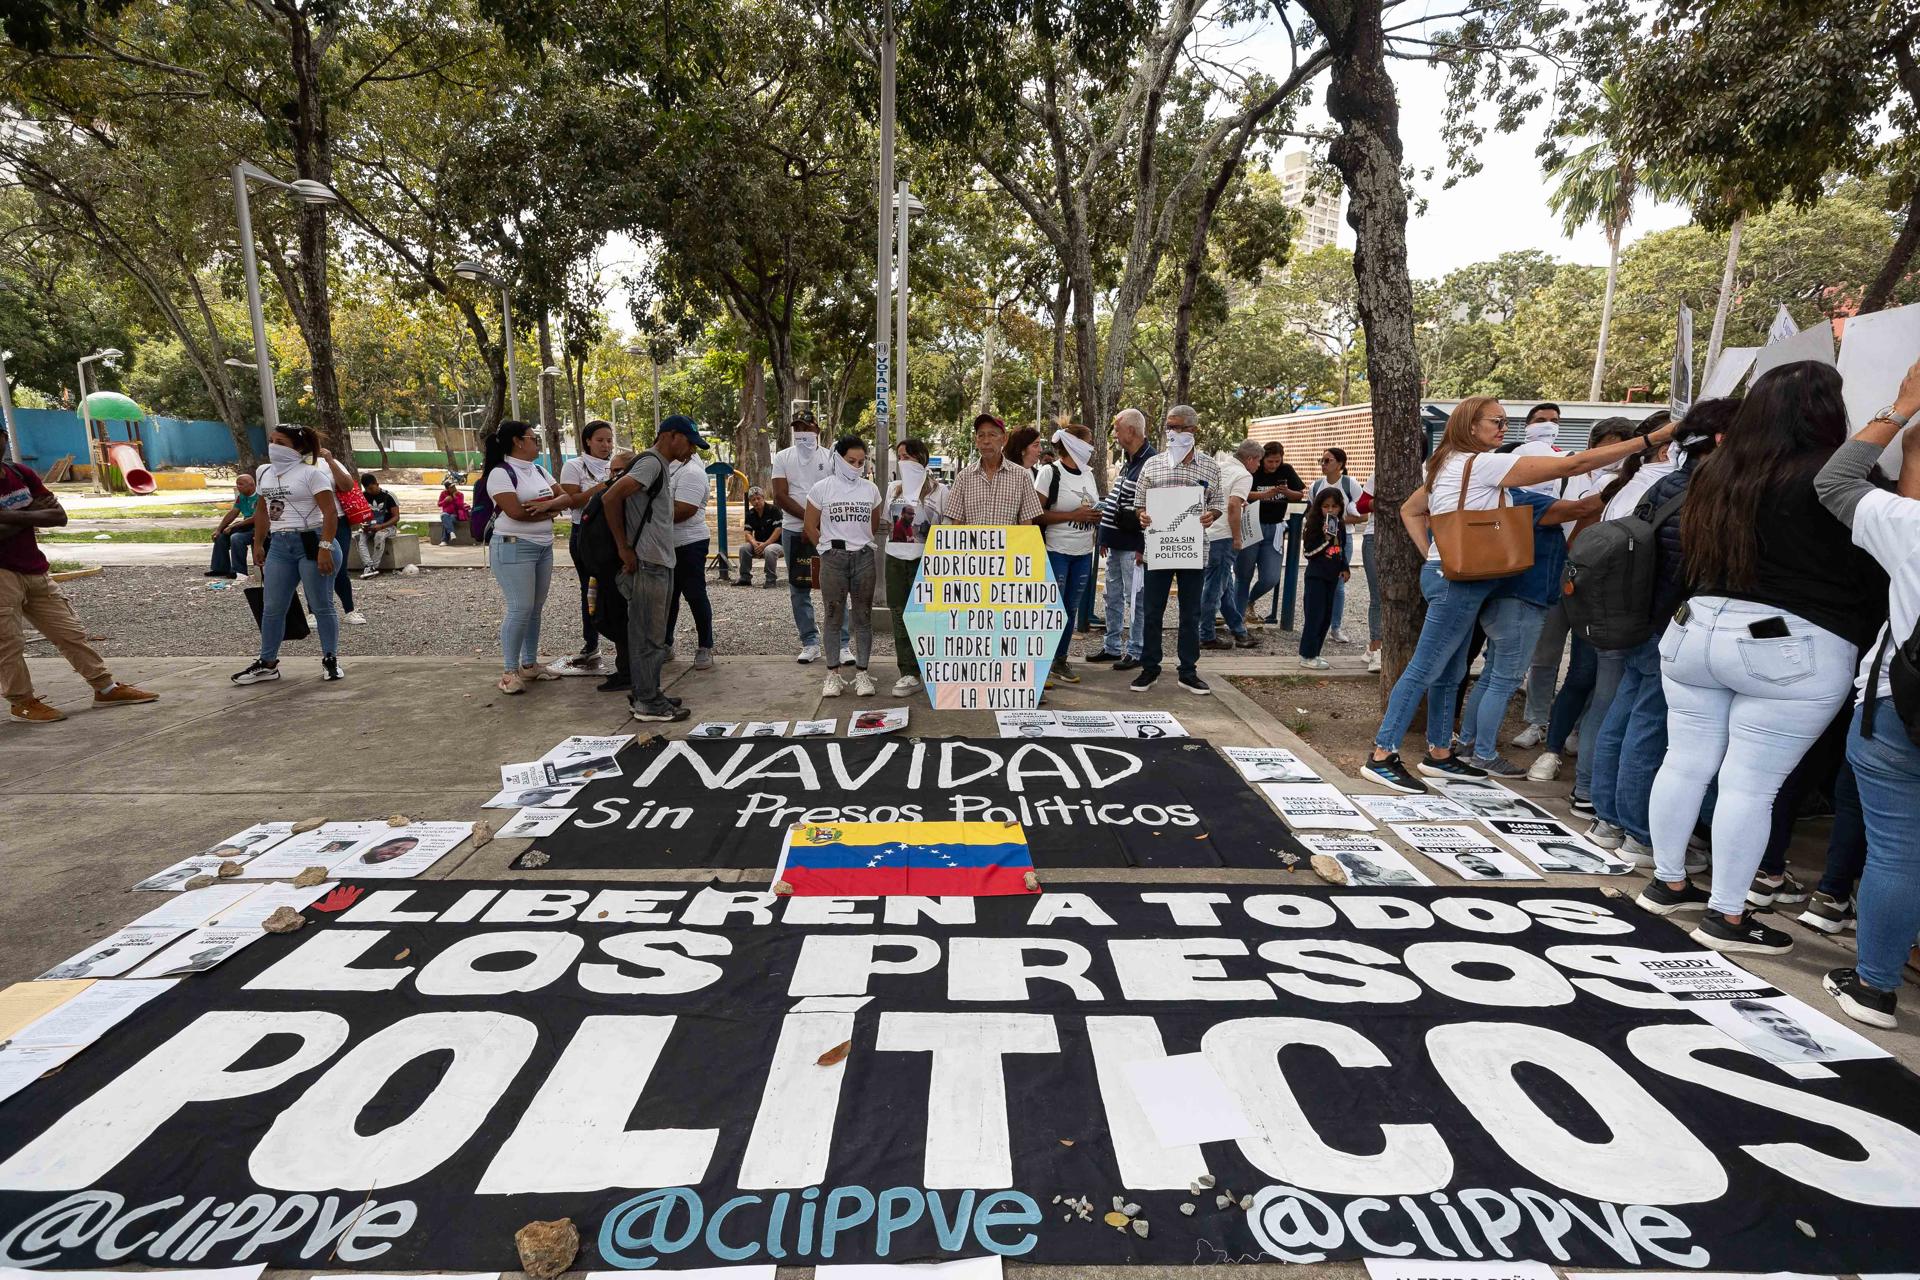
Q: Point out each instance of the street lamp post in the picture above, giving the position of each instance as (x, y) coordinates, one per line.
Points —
(637, 350)
(471, 270)
(883, 268)
(98, 463)
(904, 204)
(6, 411)
(613, 414)
(307, 191)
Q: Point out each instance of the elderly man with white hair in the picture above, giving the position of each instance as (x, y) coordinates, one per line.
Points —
(1227, 540)
(1182, 465)
(1122, 542)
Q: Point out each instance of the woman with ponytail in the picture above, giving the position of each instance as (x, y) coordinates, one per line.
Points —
(295, 544)
(520, 548)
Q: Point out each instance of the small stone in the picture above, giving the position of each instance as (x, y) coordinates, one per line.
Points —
(1140, 1227)
(201, 882)
(1205, 1180)
(1116, 1220)
(783, 888)
(399, 820)
(1120, 1203)
(1032, 882)
(482, 833)
(1806, 1229)
(1221, 1202)
(1328, 868)
(1130, 1209)
(1066, 1217)
(283, 920)
(228, 869)
(1246, 1204)
(1194, 1188)
(310, 877)
(307, 824)
(1186, 1207)
(547, 1248)
(404, 953)
(534, 858)
(1066, 1142)
(1608, 891)
(1056, 1199)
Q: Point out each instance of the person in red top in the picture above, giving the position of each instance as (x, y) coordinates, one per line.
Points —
(27, 594)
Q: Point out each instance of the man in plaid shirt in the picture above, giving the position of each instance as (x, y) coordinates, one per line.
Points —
(1180, 464)
(991, 489)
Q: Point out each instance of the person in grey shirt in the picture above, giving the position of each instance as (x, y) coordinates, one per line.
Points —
(639, 511)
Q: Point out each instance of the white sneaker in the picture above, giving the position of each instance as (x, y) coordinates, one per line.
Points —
(863, 684)
(905, 685)
(1339, 636)
(1373, 659)
(811, 653)
(1573, 743)
(356, 619)
(1315, 664)
(1605, 834)
(369, 573)
(703, 659)
(1641, 855)
(1545, 767)
(834, 685)
(1531, 736)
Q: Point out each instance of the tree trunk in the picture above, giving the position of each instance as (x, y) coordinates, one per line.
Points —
(1606, 313)
(1725, 302)
(380, 442)
(549, 424)
(1880, 292)
(312, 303)
(1062, 293)
(1369, 156)
(786, 375)
(750, 438)
(989, 344)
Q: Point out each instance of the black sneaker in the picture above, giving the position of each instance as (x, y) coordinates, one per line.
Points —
(1859, 1001)
(1194, 685)
(1218, 642)
(1828, 914)
(618, 682)
(1662, 900)
(1245, 642)
(258, 673)
(661, 712)
(1498, 767)
(330, 668)
(1765, 892)
(1148, 677)
(1393, 774)
(1717, 932)
(1582, 806)
(1127, 664)
(1451, 767)
(1101, 655)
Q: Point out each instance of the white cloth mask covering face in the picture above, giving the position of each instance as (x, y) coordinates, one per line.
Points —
(913, 477)
(806, 441)
(1179, 446)
(844, 469)
(1079, 450)
(1542, 430)
(283, 456)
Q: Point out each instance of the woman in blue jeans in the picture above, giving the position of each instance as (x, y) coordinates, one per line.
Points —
(1464, 474)
(294, 546)
(520, 552)
(1882, 749)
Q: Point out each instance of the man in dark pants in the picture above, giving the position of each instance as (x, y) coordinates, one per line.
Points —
(639, 512)
(1180, 465)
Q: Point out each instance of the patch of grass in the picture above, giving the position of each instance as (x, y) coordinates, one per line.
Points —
(184, 511)
(63, 566)
(128, 535)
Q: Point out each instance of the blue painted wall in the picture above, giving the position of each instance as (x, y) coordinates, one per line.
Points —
(47, 435)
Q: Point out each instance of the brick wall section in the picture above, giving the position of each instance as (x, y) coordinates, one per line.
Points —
(1306, 434)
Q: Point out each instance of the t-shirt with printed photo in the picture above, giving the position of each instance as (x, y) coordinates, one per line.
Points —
(292, 495)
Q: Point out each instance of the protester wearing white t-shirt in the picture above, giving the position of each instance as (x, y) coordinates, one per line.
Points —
(520, 552)
(581, 478)
(1227, 540)
(1476, 427)
(843, 518)
(690, 484)
(915, 503)
(1069, 521)
(294, 545)
(795, 471)
(1543, 429)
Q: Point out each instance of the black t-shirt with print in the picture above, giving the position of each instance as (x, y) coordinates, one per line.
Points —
(1273, 511)
(762, 524)
(385, 506)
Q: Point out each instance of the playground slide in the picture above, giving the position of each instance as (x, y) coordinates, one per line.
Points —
(133, 469)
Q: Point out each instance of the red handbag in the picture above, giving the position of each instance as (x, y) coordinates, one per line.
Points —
(354, 506)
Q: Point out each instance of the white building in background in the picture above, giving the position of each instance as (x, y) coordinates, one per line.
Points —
(1320, 212)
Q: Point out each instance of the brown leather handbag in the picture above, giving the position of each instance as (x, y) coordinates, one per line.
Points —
(1475, 545)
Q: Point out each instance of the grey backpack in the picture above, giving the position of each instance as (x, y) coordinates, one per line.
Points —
(1613, 575)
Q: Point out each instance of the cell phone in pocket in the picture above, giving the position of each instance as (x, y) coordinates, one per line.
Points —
(1774, 628)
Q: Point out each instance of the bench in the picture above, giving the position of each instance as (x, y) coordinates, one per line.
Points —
(401, 550)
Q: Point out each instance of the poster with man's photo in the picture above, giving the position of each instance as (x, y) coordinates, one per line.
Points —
(1367, 862)
(1551, 847)
(1465, 852)
(1270, 764)
(1784, 1029)
(114, 954)
(581, 757)
(1392, 809)
(323, 847)
(1149, 724)
(538, 797)
(1487, 800)
(403, 852)
(1315, 804)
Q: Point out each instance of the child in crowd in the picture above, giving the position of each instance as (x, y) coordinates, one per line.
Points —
(1328, 548)
(453, 509)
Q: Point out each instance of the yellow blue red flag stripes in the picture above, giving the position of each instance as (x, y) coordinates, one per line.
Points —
(840, 859)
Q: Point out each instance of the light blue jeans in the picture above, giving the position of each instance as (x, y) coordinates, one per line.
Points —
(1744, 709)
(1219, 595)
(1632, 740)
(1887, 768)
(1070, 574)
(1373, 589)
(524, 571)
(1451, 610)
(1123, 589)
(1513, 628)
(1606, 682)
(287, 567)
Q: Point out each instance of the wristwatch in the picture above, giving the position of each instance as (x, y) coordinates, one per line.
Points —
(1894, 416)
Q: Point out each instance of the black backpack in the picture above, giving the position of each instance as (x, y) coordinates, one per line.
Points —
(597, 549)
(1613, 577)
(1902, 664)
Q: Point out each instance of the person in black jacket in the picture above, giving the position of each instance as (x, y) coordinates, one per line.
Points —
(1328, 551)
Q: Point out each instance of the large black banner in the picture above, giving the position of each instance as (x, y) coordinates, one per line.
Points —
(698, 1076)
(1083, 802)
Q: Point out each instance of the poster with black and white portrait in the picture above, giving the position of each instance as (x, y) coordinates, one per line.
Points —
(1550, 846)
(1367, 862)
(1465, 851)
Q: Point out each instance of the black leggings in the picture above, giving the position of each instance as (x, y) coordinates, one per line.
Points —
(1318, 619)
(587, 592)
(690, 583)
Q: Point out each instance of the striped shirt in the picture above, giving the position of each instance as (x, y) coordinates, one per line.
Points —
(1120, 510)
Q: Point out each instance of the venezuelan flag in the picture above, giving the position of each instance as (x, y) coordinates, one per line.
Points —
(843, 859)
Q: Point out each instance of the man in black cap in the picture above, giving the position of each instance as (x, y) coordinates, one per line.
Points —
(639, 512)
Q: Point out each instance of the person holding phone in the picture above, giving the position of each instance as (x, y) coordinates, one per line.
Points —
(295, 544)
(1762, 650)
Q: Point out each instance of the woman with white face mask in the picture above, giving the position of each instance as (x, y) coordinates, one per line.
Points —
(914, 504)
(580, 479)
(294, 545)
(843, 517)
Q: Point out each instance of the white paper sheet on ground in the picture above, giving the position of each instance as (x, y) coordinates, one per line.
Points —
(755, 1271)
(534, 822)
(195, 907)
(1550, 846)
(1186, 1101)
(199, 951)
(1085, 724)
(1420, 1269)
(1721, 1275)
(1175, 537)
(765, 729)
(401, 853)
(815, 728)
(1367, 861)
(114, 954)
(582, 756)
(251, 911)
(1724, 377)
(252, 842)
(1465, 852)
(83, 1019)
(24, 1002)
(713, 729)
(1149, 724)
(321, 847)
(532, 797)
(1485, 798)
(1874, 356)
(1270, 764)
(1786, 1030)
(1412, 809)
(175, 878)
(20, 1068)
(1316, 804)
(987, 1268)
(1023, 724)
(882, 720)
(220, 1273)
(1815, 342)
(530, 773)
(1703, 975)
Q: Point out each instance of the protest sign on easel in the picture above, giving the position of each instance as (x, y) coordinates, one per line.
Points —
(985, 617)
(1175, 537)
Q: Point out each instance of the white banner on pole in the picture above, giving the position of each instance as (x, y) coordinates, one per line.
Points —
(1815, 343)
(1680, 385)
(1783, 326)
(1724, 378)
(1874, 356)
